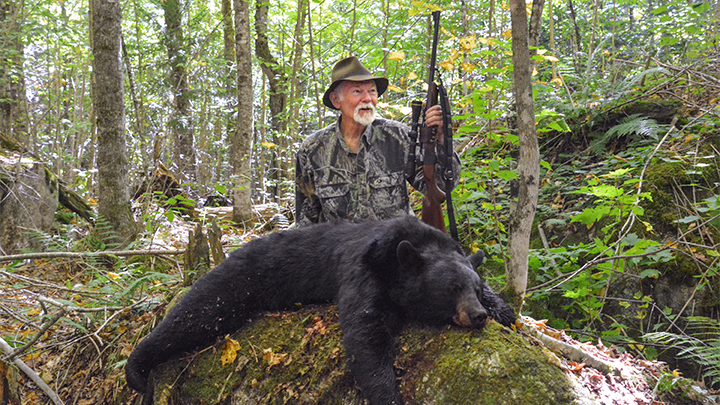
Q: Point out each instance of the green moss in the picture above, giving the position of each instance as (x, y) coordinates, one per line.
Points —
(493, 366)
(660, 180)
(284, 358)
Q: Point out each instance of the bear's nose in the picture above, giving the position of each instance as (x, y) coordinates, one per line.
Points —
(474, 317)
(479, 320)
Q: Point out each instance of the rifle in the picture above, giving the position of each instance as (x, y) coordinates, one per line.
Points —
(434, 197)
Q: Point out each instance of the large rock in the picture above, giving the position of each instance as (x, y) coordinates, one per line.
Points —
(297, 358)
(28, 201)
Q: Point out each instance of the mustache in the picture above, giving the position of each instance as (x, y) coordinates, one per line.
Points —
(365, 105)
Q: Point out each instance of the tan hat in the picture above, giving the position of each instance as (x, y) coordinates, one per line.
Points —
(351, 69)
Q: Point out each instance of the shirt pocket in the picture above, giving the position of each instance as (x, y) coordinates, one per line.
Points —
(388, 190)
(334, 200)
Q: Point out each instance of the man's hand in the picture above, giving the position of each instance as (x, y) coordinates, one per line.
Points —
(434, 118)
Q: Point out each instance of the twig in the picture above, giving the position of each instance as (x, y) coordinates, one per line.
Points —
(546, 246)
(45, 284)
(18, 318)
(71, 309)
(80, 255)
(20, 350)
(33, 376)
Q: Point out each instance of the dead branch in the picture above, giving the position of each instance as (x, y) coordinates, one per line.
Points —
(80, 255)
(44, 284)
(569, 352)
(33, 376)
(20, 350)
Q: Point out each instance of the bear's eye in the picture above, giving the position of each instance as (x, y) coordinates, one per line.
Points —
(456, 287)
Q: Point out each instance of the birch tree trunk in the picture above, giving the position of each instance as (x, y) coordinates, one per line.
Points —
(109, 106)
(522, 216)
(241, 142)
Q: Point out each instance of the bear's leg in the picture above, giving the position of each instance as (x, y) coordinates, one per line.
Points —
(497, 308)
(369, 332)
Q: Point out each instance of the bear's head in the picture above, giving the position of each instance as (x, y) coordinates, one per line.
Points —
(426, 274)
(440, 286)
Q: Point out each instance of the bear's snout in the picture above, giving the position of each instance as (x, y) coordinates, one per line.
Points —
(470, 315)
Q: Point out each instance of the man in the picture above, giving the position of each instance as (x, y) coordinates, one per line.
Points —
(354, 168)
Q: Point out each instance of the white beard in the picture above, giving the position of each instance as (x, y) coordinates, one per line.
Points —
(368, 117)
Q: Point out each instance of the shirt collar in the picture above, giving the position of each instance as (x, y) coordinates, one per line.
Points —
(366, 138)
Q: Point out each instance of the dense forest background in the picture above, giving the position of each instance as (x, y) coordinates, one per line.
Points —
(211, 100)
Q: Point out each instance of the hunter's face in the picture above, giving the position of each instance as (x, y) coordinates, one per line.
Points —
(356, 101)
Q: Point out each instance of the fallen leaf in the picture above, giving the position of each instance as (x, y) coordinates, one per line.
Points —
(229, 351)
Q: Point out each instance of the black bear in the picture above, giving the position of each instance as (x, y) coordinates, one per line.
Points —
(381, 274)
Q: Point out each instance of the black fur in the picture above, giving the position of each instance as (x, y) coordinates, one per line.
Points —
(381, 274)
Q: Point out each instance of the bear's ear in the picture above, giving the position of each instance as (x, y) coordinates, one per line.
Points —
(407, 255)
(476, 259)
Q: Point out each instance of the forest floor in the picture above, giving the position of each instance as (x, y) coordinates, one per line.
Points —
(72, 321)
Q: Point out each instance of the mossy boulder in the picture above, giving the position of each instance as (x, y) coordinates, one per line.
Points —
(298, 358)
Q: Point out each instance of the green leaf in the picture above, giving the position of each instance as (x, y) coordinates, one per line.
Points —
(606, 191)
(649, 273)
(590, 215)
(507, 174)
(688, 219)
(617, 173)
(75, 324)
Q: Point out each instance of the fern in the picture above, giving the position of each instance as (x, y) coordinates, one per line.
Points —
(104, 236)
(634, 126)
(628, 84)
(702, 346)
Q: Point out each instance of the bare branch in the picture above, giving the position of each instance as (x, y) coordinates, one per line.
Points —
(80, 255)
(33, 376)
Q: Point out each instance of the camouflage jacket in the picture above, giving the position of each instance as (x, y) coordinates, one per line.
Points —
(333, 182)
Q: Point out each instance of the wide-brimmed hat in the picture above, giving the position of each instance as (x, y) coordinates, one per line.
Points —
(351, 69)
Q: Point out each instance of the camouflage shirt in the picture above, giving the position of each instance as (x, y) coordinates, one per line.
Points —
(334, 182)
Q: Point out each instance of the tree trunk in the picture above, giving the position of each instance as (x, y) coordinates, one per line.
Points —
(578, 37)
(13, 105)
(535, 27)
(591, 45)
(181, 122)
(230, 95)
(109, 106)
(521, 217)
(315, 79)
(286, 149)
(716, 24)
(552, 37)
(278, 85)
(140, 131)
(241, 143)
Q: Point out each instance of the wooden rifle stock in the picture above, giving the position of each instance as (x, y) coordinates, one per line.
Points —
(434, 197)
